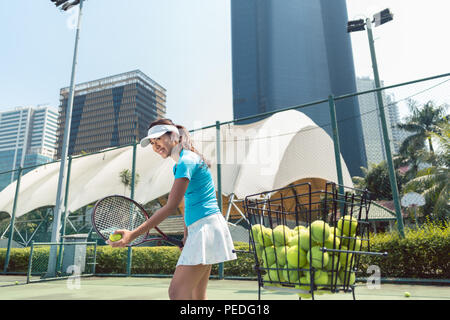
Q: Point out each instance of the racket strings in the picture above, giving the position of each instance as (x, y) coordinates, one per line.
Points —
(115, 213)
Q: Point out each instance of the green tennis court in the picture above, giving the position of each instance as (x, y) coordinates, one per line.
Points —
(131, 288)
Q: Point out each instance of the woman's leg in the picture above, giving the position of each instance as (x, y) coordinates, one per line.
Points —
(199, 292)
(185, 279)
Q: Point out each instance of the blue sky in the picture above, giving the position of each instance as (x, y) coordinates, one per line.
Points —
(185, 46)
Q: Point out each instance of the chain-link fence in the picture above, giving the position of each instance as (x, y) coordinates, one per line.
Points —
(283, 147)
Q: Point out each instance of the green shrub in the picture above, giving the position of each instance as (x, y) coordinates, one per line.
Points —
(422, 253)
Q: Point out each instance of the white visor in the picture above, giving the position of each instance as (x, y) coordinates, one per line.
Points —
(156, 132)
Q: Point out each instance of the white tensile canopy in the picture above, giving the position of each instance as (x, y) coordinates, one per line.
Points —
(257, 157)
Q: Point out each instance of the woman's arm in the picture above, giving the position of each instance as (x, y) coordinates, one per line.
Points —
(175, 197)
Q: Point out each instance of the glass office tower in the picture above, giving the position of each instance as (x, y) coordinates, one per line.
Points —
(27, 138)
(111, 112)
(291, 52)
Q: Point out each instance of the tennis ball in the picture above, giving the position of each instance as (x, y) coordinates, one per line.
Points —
(321, 278)
(336, 231)
(115, 237)
(296, 257)
(333, 264)
(330, 241)
(17, 282)
(347, 225)
(290, 276)
(281, 235)
(276, 274)
(317, 258)
(281, 255)
(304, 239)
(259, 250)
(407, 294)
(265, 237)
(320, 230)
(268, 256)
(353, 244)
(345, 258)
(347, 278)
(256, 229)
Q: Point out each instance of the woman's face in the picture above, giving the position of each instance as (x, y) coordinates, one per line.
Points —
(163, 145)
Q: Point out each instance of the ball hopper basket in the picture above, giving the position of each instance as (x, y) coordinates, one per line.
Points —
(308, 241)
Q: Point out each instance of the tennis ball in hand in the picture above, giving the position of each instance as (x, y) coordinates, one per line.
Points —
(115, 237)
(320, 231)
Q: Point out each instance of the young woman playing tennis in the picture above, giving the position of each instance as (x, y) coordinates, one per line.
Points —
(207, 239)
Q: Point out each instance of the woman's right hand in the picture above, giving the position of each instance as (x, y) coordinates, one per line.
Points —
(124, 241)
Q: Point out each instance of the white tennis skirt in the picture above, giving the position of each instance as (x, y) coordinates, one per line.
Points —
(209, 241)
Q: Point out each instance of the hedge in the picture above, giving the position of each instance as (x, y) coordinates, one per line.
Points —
(422, 254)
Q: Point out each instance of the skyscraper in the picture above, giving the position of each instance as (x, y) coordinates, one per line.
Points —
(371, 123)
(27, 138)
(291, 52)
(111, 111)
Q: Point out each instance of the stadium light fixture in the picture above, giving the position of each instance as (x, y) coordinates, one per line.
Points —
(64, 5)
(357, 25)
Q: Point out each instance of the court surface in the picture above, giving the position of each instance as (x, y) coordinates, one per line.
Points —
(131, 288)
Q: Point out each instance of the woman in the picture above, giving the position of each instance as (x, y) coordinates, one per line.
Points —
(207, 239)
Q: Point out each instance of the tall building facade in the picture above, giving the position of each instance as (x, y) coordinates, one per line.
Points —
(111, 111)
(27, 138)
(291, 52)
(371, 123)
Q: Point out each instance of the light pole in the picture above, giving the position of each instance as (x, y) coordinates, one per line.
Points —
(359, 25)
(64, 5)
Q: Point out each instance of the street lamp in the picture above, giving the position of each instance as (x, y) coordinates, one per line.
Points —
(64, 5)
(359, 25)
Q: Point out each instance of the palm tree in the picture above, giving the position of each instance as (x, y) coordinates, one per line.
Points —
(126, 177)
(421, 123)
(434, 182)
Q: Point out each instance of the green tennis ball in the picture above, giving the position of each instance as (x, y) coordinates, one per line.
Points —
(268, 256)
(353, 244)
(333, 264)
(256, 229)
(332, 242)
(321, 278)
(17, 282)
(265, 237)
(276, 274)
(304, 239)
(115, 237)
(320, 230)
(281, 255)
(317, 258)
(290, 276)
(407, 294)
(296, 257)
(347, 225)
(347, 278)
(345, 258)
(281, 235)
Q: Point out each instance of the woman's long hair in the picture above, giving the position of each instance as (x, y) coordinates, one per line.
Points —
(184, 138)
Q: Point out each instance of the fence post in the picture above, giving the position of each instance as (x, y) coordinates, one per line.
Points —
(133, 174)
(337, 148)
(219, 182)
(63, 226)
(13, 217)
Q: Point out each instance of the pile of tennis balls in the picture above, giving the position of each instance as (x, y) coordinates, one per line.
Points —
(281, 248)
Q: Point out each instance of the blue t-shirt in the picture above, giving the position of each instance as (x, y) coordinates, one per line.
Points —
(200, 197)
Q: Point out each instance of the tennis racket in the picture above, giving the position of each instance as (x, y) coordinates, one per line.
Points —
(118, 212)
